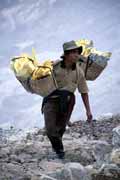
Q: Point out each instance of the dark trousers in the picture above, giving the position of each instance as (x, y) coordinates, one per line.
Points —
(56, 121)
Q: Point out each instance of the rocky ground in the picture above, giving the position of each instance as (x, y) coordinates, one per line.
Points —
(92, 153)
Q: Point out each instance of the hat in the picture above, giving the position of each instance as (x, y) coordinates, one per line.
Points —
(67, 46)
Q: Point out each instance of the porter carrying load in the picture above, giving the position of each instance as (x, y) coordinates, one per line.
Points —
(40, 79)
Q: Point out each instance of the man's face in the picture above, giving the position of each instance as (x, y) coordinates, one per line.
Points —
(72, 56)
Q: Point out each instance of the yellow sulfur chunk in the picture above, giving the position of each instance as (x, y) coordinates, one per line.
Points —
(40, 71)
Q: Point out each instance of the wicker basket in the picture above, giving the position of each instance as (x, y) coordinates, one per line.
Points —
(94, 66)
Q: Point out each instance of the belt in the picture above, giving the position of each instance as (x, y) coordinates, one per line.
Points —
(62, 95)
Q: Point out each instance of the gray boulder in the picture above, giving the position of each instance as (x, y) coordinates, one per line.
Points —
(115, 156)
(116, 137)
(107, 172)
(75, 171)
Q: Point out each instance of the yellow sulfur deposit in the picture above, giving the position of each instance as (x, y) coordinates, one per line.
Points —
(26, 66)
(22, 66)
(86, 44)
(43, 70)
(105, 54)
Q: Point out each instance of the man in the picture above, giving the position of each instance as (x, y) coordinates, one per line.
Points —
(58, 106)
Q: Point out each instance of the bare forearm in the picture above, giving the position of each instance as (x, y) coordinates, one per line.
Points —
(85, 99)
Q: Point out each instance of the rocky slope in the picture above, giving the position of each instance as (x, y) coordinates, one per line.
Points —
(92, 153)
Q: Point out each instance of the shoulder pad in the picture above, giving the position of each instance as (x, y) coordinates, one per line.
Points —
(56, 62)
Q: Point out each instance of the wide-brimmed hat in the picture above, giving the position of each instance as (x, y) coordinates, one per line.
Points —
(67, 46)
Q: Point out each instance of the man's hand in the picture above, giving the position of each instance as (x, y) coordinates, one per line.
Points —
(89, 117)
(85, 99)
